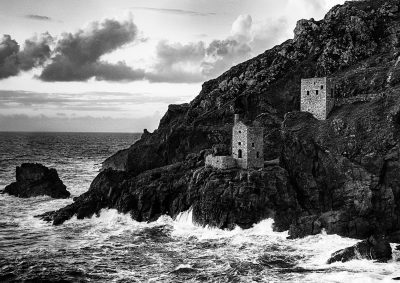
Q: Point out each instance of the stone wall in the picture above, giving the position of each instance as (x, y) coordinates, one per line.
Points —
(255, 147)
(317, 96)
(330, 95)
(239, 142)
(220, 162)
(250, 141)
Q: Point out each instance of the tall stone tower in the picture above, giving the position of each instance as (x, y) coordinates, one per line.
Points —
(247, 145)
(317, 96)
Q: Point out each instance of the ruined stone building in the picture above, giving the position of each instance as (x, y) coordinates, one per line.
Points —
(247, 148)
(247, 145)
(317, 96)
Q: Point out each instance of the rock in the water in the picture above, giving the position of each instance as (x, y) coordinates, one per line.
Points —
(37, 180)
(374, 248)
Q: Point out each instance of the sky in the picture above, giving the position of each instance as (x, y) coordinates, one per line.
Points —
(115, 66)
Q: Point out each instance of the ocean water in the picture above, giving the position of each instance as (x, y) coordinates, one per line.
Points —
(115, 248)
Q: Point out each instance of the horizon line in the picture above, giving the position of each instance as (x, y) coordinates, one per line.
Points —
(72, 132)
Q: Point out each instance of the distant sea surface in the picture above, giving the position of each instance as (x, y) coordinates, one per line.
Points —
(114, 248)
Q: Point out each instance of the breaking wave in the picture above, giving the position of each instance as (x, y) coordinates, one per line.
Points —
(115, 248)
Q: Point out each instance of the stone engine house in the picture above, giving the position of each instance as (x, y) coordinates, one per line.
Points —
(247, 145)
(247, 148)
(317, 96)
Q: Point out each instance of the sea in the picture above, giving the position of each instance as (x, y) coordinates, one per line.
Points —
(115, 248)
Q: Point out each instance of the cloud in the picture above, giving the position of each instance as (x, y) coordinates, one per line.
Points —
(38, 17)
(36, 51)
(174, 61)
(61, 123)
(317, 5)
(78, 56)
(197, 61)
(223, 54)
(9, 49)
(241, 28)
(175, 11)
(268, 33)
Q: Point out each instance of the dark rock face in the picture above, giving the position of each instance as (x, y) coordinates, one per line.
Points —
(357, 43)
(36, 180)
(345, 170)
(374, 248)
(224, 198)
(341, 175)
(117, 161)
(218, 198)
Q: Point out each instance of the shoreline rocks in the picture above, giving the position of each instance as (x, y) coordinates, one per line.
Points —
(341, 174)
(219, 198)
(374, 248)
(34, 179)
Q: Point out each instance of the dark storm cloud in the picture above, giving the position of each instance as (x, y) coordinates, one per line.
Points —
(38, 17)
(36, 51)
(175, 11)
(77, 56)
(9, 49)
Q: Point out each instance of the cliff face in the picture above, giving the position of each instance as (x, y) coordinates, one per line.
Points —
(357, 43)
(346, 169)
(341, 174)
(218, 198)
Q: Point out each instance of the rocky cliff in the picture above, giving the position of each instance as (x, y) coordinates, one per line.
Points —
(220, 198)
(340, 174)
(346, 169)
(357, 43)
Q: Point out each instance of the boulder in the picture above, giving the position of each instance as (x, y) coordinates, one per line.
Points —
(37, 180)
(374, 248)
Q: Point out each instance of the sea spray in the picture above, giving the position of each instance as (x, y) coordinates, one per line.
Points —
(112, 246)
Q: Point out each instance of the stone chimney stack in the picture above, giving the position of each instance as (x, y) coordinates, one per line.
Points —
(236, 119)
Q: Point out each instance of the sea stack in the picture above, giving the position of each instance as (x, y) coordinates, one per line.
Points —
(37, 180)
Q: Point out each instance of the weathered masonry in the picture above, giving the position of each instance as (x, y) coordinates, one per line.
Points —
(317, 96)
(220, 162)
(247, 148)
(247, 145)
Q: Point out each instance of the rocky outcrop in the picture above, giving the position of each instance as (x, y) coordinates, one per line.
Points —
(357, 43)
(345, 169)
(221, 198)
(225, 198)
(340, 175)
(374, 248)
(117, 161)
(37, 180)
